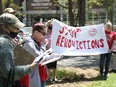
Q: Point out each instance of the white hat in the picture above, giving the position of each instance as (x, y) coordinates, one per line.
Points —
(9, 10)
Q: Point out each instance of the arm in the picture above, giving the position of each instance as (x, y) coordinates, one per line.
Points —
(6, 60)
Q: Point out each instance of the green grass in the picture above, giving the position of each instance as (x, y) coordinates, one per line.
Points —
(68, 76)
(109, 82)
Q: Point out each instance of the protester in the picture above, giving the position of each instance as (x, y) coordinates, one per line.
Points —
(9, 27)
(10, 10)
(113, 67)
(105, 58)
(51, 66)
(33, 45)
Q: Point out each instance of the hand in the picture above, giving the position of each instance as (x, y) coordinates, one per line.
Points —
(33, 65)
(61, 56)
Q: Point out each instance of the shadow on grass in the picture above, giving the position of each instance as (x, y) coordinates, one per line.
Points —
(80, 79)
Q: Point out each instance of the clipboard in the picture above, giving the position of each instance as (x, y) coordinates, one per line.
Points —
(22, 56)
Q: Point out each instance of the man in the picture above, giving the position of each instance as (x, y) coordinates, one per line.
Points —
(105, 58)
(9, 28)
(33, 45)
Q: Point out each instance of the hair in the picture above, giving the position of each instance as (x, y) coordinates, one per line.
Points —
(38, 26)
(109, 23)
(3, 29)
(49, 22)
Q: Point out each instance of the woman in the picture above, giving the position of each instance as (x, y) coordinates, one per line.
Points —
(105, 59)
(9, 28)
(51, 66)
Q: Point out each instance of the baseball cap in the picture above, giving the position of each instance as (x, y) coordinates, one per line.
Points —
(10, 19)
(9, 10)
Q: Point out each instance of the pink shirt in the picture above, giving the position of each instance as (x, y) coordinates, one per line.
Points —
(48, 37)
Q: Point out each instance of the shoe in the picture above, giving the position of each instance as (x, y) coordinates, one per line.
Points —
(106, 75)
(100, 75)
(48, 80)
(55, 80)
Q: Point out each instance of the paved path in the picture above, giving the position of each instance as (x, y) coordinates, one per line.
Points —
(82, 62)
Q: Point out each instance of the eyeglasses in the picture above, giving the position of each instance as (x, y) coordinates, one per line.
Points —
(43, 33)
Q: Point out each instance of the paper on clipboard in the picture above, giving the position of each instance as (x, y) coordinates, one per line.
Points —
(22, 56)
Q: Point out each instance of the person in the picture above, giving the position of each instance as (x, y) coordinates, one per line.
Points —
(10, 10)
(9, 27)
(33, 44)
(51, 66)
(106, 57)
(113, 66)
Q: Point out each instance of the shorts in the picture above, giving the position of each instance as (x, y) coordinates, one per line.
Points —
(52, 65)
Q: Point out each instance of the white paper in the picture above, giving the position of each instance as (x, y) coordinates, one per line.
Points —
(51, 60)
(42, 56)
(55, 57)
(50, 57)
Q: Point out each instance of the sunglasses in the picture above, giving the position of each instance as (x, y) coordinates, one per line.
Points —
(43, 33)
(50, 27)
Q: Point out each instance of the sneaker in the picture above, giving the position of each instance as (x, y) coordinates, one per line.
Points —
(106, 75)
(100, 75)
(53, 81)
(48, 80)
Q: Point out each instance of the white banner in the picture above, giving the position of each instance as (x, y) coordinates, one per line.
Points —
(76, 41)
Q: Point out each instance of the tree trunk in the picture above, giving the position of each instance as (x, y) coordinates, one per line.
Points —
(71, 14)
(1, 10)
(81, 12)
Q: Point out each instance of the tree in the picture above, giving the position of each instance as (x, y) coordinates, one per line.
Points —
(109, 6)
(71, 7)
(1, 11)
(81, 12)
(70, 12)
(106, 4)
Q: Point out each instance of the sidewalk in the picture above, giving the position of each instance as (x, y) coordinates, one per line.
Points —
(81, 62)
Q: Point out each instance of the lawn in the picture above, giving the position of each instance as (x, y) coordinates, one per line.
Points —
(109, 82)
(76, 77)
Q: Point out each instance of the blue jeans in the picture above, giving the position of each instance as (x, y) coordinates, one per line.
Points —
(105, 63)
(43, 84)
